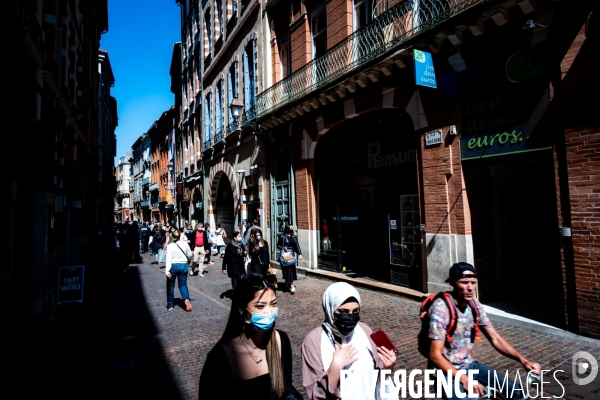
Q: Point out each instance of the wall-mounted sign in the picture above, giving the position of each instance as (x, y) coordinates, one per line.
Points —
(503, 111)
(424, 72)
(70, 284)
(393, 224)
(432, 138)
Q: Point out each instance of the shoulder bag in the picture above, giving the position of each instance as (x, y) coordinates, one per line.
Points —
(286, 258)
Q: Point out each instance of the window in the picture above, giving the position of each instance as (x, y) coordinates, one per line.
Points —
(319, 31)
(294, 10)
(250, 75)
(232, 86)
(207, 38)
(218, 19)
(285, 54)
(361, 14)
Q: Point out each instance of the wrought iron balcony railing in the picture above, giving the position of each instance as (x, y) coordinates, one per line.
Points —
(219, 135)
(387, 31)
(236, 125)
(207, 143)
(248, 116)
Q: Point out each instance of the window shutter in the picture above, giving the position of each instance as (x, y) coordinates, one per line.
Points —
(230, 93)
(246, 81)
(218, 108)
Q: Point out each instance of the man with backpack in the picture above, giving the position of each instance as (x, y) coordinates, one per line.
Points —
(450, 324)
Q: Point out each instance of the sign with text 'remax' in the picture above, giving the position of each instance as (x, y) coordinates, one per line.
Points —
(424, 72)
(432, 138)
(70, 284)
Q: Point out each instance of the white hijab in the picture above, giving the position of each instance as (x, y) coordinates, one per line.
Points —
(335, 295)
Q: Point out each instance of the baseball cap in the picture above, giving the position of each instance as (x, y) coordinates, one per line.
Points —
(457, 271)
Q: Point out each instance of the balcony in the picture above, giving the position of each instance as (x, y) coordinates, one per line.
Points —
(145, 203)
(207, 144)
(386, 32)
(153, 187)
(219, 135)
(145, 181)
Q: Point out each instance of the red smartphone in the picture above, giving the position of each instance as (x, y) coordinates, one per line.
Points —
(382, 339)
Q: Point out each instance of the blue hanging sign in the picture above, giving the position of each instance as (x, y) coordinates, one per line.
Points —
(424, 72)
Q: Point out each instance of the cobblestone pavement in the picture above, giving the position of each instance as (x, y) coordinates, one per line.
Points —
(137, 349)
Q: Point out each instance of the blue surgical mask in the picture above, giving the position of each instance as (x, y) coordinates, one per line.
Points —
(257, 237)
(261, 322)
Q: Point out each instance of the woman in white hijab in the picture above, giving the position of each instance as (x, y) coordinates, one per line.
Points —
(342, 343)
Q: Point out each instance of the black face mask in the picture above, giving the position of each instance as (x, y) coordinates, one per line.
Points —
(345, 323)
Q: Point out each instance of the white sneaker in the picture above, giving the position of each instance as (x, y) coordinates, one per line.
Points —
(191, 273)
(292, 289)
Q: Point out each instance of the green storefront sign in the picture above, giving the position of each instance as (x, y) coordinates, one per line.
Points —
(503, 111)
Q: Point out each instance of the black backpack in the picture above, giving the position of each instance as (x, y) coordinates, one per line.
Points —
(424, 342)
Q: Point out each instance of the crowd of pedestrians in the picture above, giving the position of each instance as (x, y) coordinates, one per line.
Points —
(253, 359)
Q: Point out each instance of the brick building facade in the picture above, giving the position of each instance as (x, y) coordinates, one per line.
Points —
(510, 183)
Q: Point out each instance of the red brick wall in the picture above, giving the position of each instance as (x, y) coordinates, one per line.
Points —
(339, 21)
(301, 46)
(577, 166)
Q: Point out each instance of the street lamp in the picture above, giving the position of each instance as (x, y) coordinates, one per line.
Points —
(236, 107)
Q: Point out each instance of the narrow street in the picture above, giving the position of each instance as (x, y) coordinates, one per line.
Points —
(132, 347)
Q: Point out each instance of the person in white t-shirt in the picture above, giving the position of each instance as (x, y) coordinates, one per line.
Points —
(178, 258)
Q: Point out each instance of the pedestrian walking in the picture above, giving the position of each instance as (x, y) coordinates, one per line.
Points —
(157, 245)
(145, 236)
(233, 260)
(200, 247)
(252, 360)
(210, 235)
(220, 237)
(342, 343)
(258, 249)
(289, 243)
(178, 258)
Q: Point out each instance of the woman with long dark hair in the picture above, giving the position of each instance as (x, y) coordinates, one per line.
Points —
(258, 248)
(252, 360)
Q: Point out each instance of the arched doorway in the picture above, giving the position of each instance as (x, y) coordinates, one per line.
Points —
(368, 204)
(225, 208)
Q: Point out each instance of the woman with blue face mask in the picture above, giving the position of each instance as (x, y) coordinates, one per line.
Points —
(252, 360)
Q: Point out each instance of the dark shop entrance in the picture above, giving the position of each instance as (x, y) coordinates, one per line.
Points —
(368, 205)
(515, 235)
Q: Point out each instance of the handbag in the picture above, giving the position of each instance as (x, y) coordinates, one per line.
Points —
(272, 276)
(162, 257)
(287, 258)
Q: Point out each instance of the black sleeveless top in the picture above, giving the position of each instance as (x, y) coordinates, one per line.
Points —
(217, 382)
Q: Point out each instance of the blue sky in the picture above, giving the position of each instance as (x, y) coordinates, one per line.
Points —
(139, 41)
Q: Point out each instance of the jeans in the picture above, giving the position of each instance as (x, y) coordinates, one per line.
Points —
(482, 377)
(180, 272)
